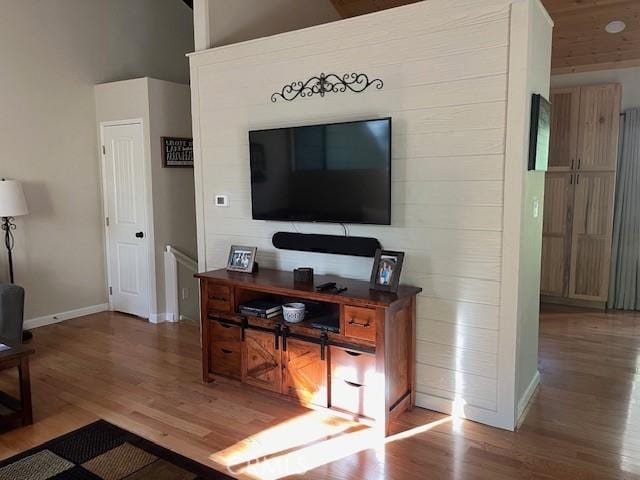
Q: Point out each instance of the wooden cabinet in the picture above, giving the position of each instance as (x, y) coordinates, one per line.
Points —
(261, 360)
(591, 236)
(579, 193)
(363, 365)
(556, 233)
(598, 128)
(563, 141)
(304, 373)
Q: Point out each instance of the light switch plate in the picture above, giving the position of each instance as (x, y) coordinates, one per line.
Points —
(221, 200)
(536, 208)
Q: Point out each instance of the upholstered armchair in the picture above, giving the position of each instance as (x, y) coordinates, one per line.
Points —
(11, 312)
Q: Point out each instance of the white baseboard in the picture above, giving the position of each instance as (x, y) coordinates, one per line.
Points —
(161, 317)
(184, 317)
(61, 317)
(526, 396)
(470, 412)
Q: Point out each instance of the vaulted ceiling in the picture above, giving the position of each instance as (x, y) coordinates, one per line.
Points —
(580, 42)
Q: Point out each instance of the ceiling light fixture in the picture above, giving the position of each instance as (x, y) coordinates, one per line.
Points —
(616, 26)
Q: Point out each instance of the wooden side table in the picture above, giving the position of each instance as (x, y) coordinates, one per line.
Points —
(19, 411)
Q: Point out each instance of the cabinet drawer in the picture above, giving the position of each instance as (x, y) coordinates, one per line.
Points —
(219, 297)
(225, 360)
(353, 397)
(355, 367)
(224, 332)
(360, 323)
(226, 349)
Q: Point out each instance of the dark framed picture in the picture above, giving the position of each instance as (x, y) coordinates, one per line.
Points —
(177, 152)
(539, 133)
(387, 267)
(241, 259)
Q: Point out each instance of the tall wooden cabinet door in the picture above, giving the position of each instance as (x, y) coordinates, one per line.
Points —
(261, 360)
(599, 125)
(563, 140)
(556, 233)
(591, 237)
(304, 373)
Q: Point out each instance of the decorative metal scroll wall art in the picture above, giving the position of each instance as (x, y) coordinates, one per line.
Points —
(332, 83)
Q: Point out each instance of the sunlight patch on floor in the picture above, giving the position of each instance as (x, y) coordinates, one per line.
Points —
(307, 442)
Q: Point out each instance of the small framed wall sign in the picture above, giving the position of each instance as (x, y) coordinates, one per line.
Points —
(242, 259)
(387, 267)
(539, 133)
(177, 152)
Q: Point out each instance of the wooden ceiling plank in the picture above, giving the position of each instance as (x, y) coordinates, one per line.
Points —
(579, 40)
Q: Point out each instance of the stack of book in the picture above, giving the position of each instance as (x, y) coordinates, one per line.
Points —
(261, 308)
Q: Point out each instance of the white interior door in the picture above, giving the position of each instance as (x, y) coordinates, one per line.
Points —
(127, 236)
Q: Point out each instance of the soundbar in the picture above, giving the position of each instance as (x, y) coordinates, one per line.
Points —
(336, 244)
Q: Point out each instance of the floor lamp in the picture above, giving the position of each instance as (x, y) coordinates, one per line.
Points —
(12, 204)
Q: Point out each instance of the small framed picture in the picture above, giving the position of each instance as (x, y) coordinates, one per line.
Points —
(387, 266)
(241, 259)
(177, 152)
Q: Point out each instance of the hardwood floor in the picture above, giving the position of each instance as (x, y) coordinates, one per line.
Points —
(583, 423)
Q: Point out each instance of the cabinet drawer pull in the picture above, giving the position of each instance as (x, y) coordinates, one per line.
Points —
(352, 384)
(218, 298)
(226, 351)
(363, 325)
(353, 354)
(224, 325)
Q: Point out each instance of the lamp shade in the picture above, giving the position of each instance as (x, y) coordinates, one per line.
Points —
(12, 201)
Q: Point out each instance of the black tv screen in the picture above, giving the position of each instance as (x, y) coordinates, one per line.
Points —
(339, 172)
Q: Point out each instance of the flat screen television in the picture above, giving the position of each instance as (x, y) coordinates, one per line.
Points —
(338, 172)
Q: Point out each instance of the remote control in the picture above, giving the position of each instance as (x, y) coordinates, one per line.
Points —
(326, 286)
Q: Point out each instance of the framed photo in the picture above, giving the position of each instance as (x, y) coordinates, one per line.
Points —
(177, 152)
(241, 259)
(387, 267)
(539, 133)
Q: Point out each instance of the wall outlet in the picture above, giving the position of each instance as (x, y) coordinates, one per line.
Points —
(221, 200)
(185, 293)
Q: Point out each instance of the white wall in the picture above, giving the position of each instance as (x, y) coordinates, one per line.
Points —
(53, 52)
(221, 22)
(537, 63)
(629, 78)
(445, 66)
(165, 110)
(174, 209)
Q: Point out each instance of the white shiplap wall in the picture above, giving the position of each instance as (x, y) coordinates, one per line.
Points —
(444, 64)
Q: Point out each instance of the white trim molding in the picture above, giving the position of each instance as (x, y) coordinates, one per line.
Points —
(161, 317)
(527, 396)
(173, 257)
(61, 317)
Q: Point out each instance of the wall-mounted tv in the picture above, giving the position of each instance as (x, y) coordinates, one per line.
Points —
(338, 172)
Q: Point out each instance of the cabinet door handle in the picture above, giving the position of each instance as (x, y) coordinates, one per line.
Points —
(571, 179)
(352, 384)
(324, 339)
(578, 179)
(579, 163)
(226, 351)
(285, 333)
(363, 325)
(276, 337)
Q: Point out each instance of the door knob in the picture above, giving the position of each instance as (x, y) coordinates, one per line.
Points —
(140, 234)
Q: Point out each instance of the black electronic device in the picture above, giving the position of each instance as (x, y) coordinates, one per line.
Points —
(326, 286)
(338, 172)
(337, 244)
